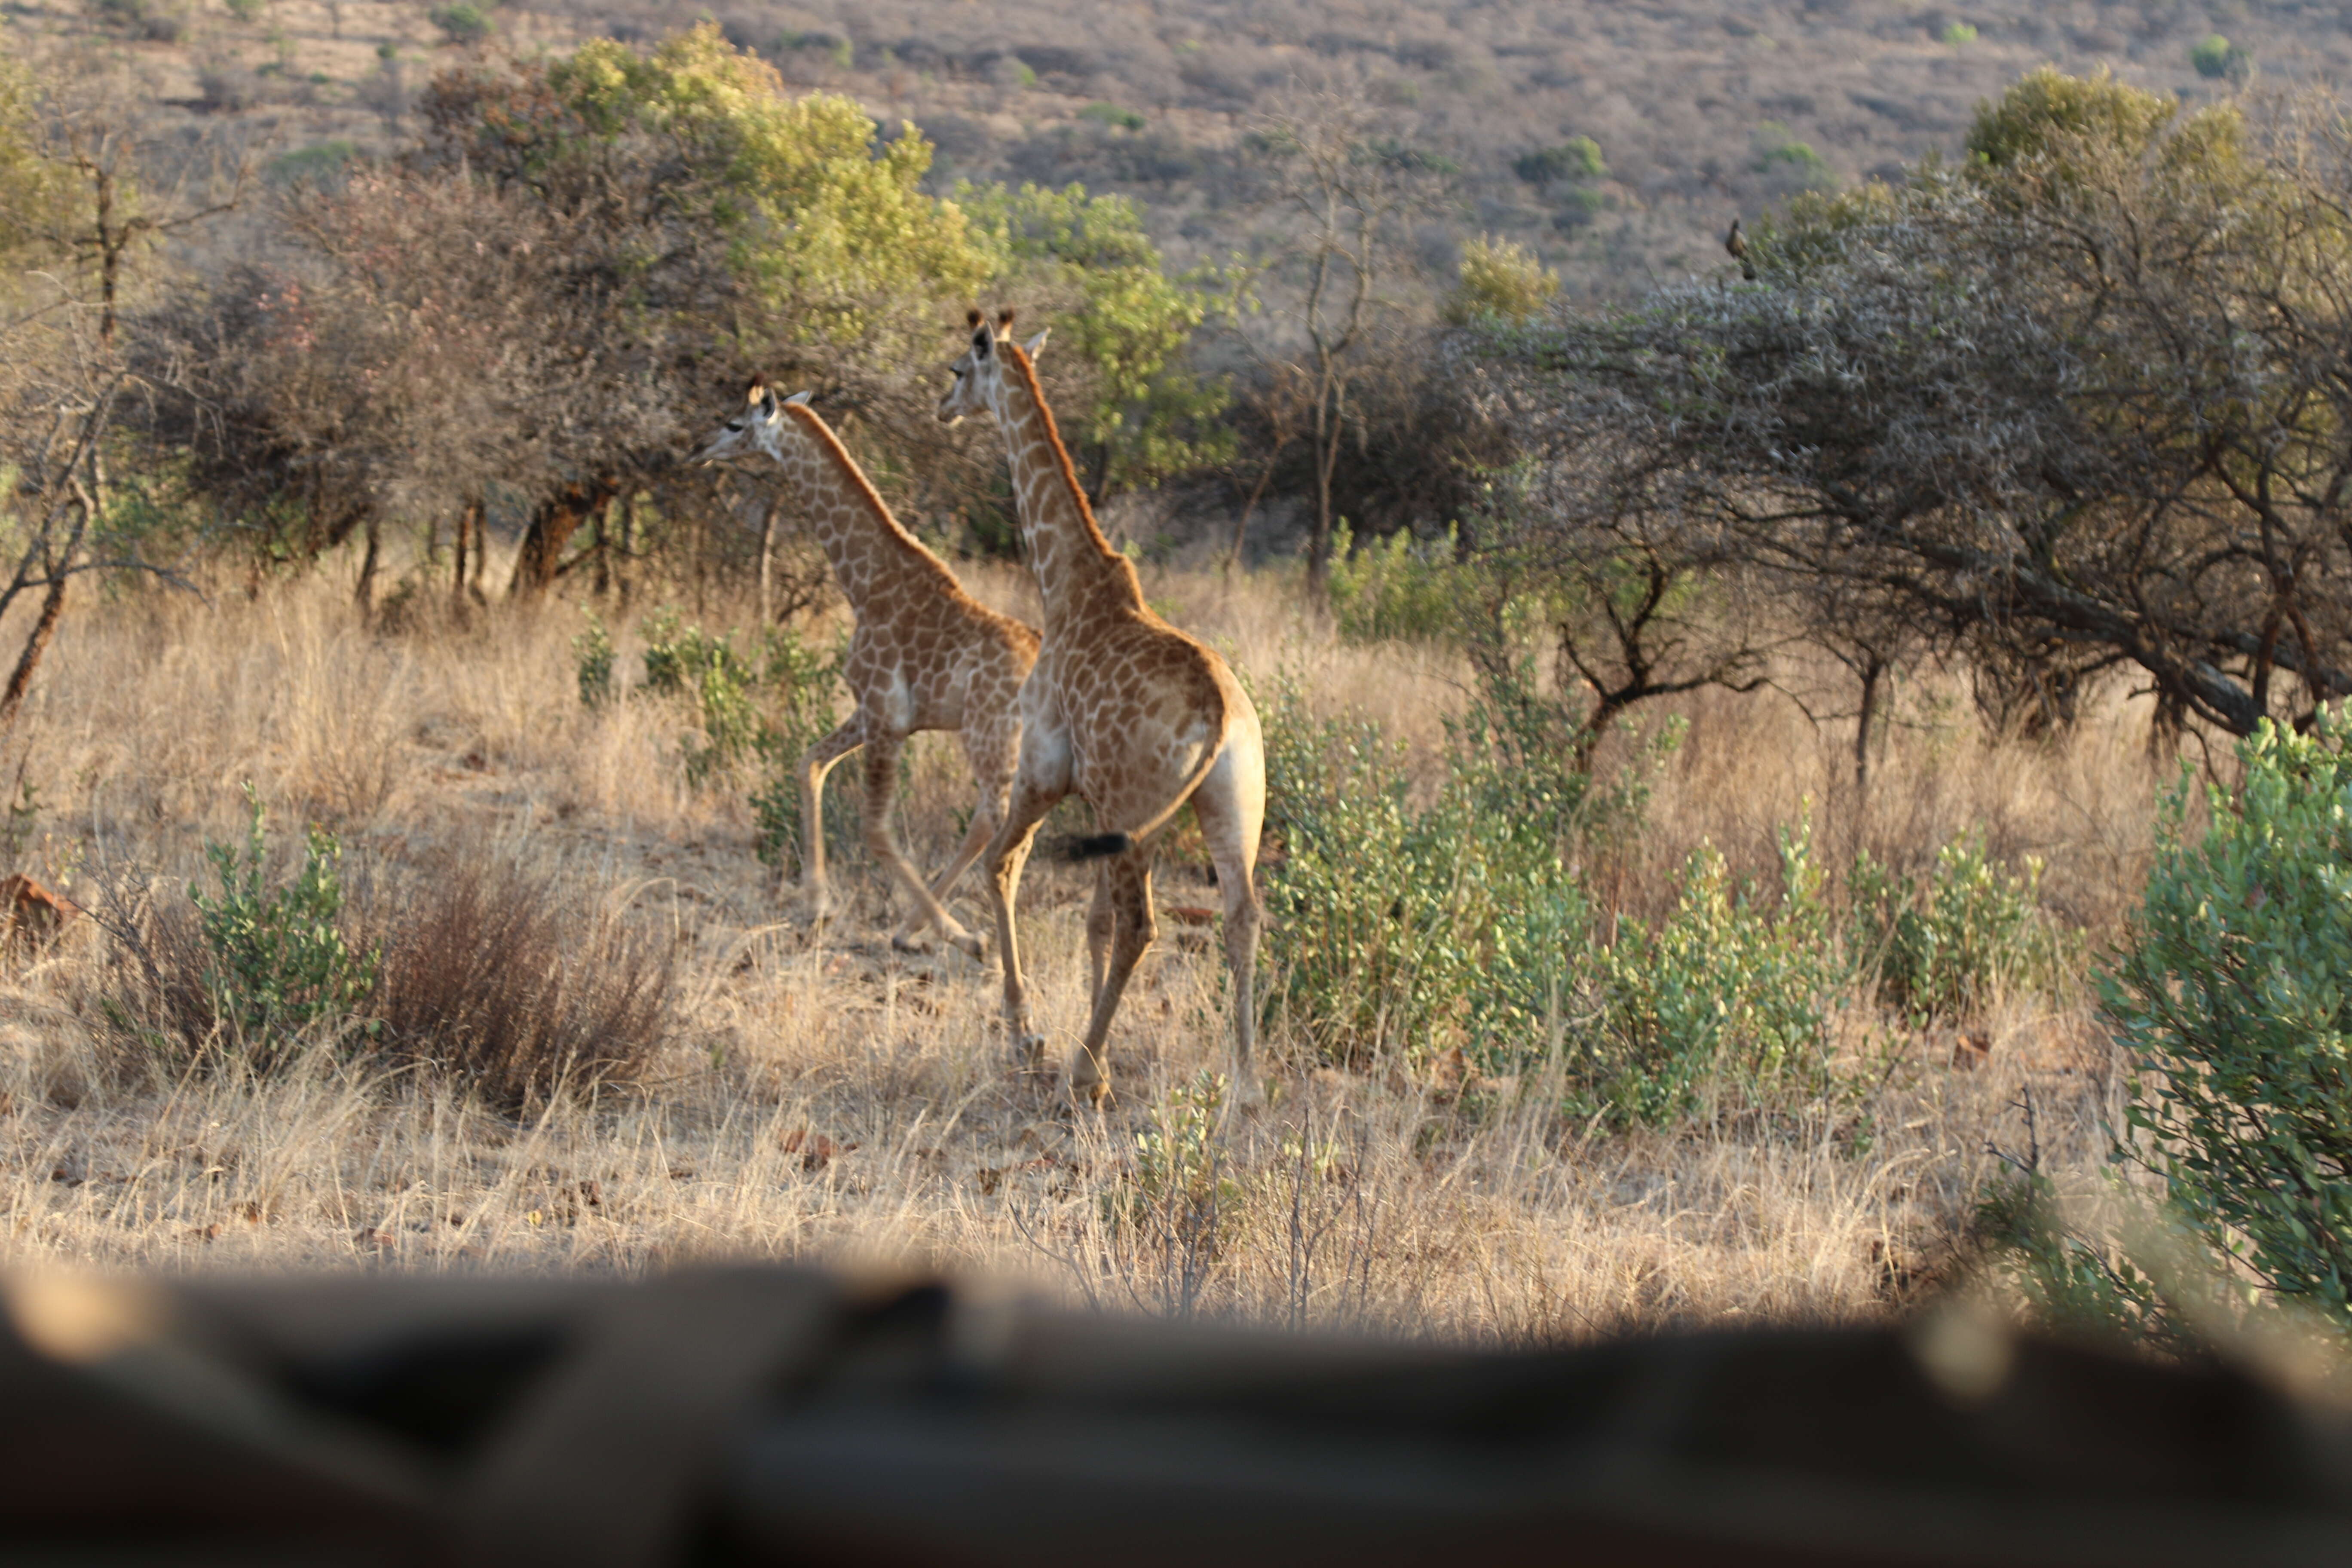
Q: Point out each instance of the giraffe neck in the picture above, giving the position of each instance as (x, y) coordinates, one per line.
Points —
(1079, 572)
(869, 552)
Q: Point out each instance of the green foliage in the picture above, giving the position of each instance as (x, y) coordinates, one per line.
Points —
(1790, 162)
(831, 225)
(1578, 159)
(1400, 589)
(800, 681)
(2216, 56)
(279, 960)
(593, 651)
(1735, 989)
(2046, 110)
(1501, 280)
(1148, 416)
(2233, 998)
(1958, 35)
(319, 161)
(35, 195)
(1942, 946)
(682, 660)
(841, 51)
(1112, 115)
(247, 10)
(461, 23)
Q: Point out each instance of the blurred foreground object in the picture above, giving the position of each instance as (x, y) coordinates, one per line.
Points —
(774, 1415)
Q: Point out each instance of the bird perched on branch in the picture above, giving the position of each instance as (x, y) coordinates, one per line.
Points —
(1736, 242)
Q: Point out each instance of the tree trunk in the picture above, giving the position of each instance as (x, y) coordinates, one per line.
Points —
(1873, 672)
(364, 593)
(768, 561)
(469, 524)
(551, 527)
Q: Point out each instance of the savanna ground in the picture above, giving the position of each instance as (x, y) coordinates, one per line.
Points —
(817, 1096)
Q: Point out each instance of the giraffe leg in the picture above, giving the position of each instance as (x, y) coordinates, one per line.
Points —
(994, 755)
(1007, 853)
(1230, 806)
(1129, 879)
(1102, 924)
(816, 762)
(881, 784)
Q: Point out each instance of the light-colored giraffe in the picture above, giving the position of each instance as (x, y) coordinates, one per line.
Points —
(1122, 708)
(924, 655)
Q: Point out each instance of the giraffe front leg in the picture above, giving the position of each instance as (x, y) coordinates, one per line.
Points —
(994, 753)
(816, 762)
(1006, 855)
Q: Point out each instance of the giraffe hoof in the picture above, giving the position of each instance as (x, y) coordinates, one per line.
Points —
(902, 943)
(973, 947)
(1028, 1051)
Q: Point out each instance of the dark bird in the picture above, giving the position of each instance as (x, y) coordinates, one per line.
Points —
(1736, 242)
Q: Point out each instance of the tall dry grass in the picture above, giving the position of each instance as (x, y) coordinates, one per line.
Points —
(819, 1095)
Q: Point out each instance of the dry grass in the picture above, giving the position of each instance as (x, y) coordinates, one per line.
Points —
(823, 1096)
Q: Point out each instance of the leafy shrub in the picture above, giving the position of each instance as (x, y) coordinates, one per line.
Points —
(2216, 56)
(247, 10)
(1397, 589)
(1578, 208)
(1791, 165)
(1940, 947)
(687, 660)
(460, 23)
(1112, 115)
(1500, 281)
(278, 962)
(1578, 158)
(320, 161)
(1737, 989)
(592, 649)
(1958, 35)
(2233, 998)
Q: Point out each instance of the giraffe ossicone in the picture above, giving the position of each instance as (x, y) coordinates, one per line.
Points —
(923, 655)
(1121, 708)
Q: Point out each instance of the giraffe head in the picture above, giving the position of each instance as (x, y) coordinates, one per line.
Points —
(977, 369)
(757, 428)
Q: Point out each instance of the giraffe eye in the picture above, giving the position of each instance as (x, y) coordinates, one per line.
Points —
(735, 425)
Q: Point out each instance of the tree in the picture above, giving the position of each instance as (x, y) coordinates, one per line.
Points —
(1347, 193)
(2072, 408)
(1145, 415)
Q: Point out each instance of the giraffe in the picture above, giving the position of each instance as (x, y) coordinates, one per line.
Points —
(1121, 708)
(924, 655)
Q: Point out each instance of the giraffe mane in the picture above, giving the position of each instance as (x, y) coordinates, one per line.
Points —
(857, 476)
(1019, 358)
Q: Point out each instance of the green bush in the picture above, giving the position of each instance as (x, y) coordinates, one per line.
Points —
(1112, 115)
(1578, 158)
(2215, 57)
(279, 961)
(460, 23)
(800, 680)
(1958, 35)
(592, 649)
(2233, 998)
(1941, 946)
(689, 661)
(1733, 989)
(1399, 588)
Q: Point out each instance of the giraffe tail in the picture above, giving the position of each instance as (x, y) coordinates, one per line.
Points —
(1082, 847)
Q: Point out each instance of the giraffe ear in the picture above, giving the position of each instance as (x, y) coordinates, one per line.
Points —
(767, 403)
(797, 398)
(1033, 347)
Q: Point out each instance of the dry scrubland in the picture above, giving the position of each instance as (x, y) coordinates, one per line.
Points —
(819, 1096)
(1696, 105)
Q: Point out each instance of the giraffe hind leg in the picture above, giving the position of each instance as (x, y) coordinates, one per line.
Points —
(994, 755)
(881, 784)
(816, 762)
(1129, 879)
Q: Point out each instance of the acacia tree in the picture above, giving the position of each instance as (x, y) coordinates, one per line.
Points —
(1348, 195)
(2074, 407)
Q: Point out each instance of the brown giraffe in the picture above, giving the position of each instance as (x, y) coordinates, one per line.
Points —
(924, 656)
(1122, 708)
